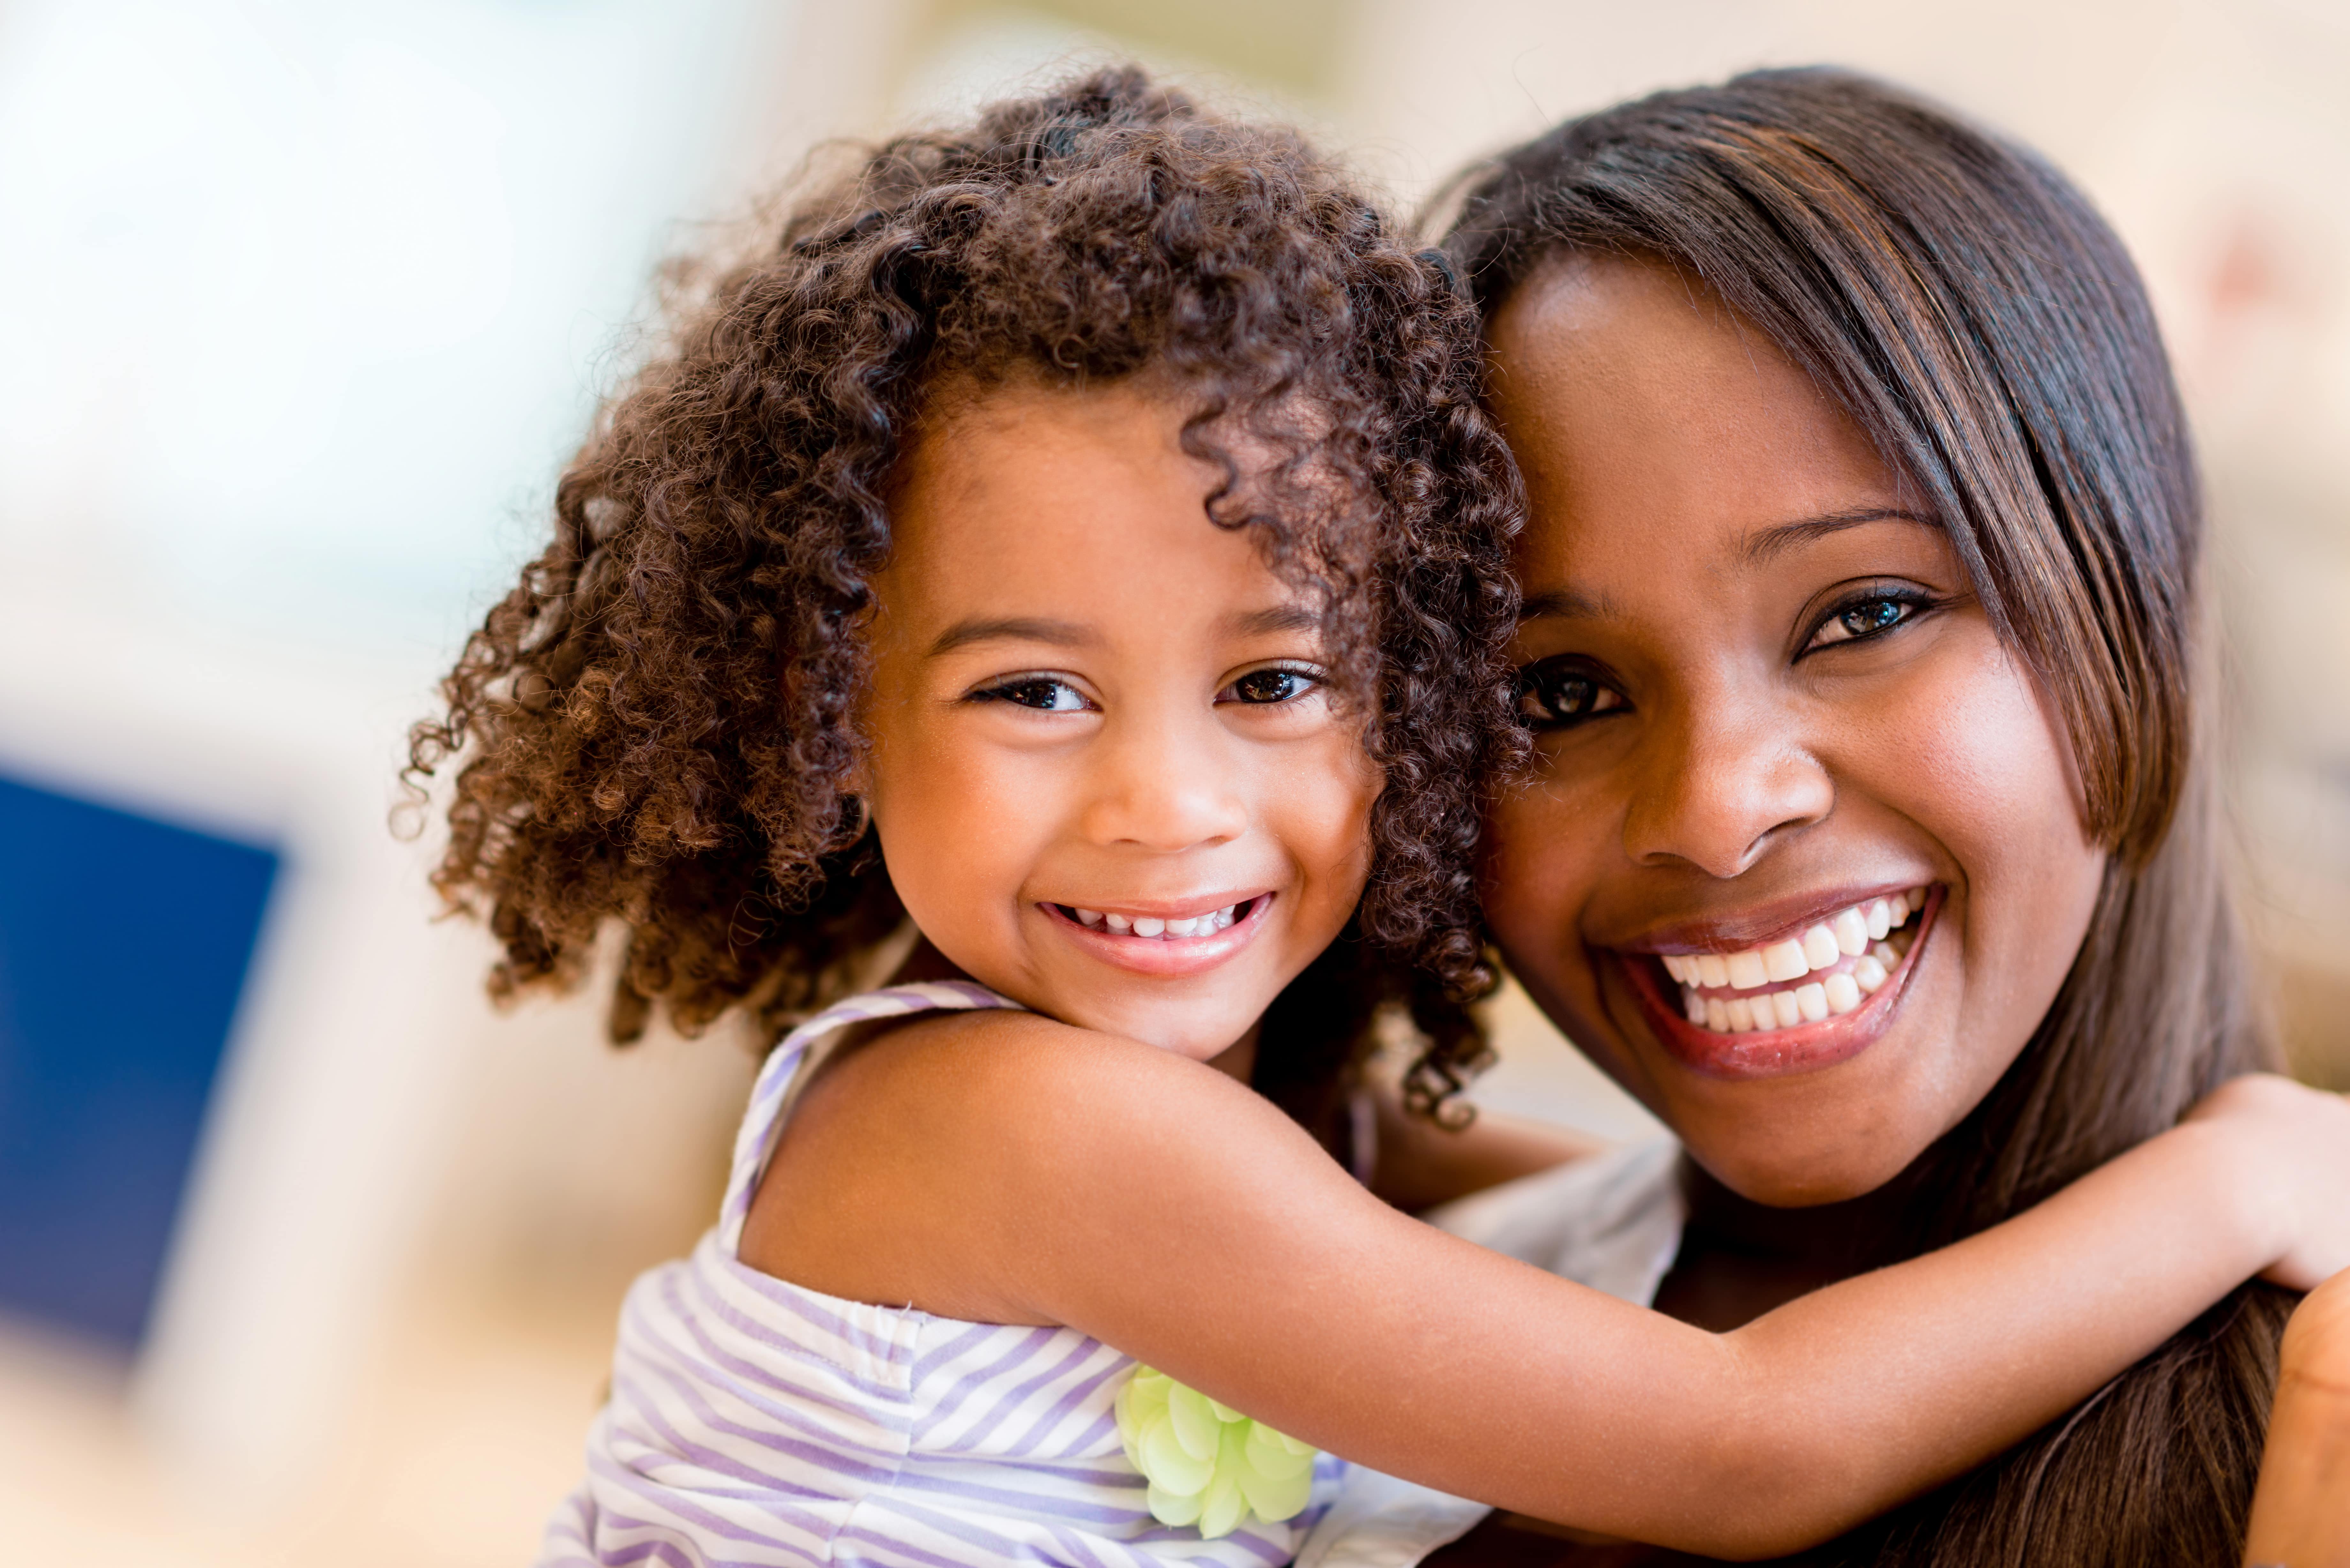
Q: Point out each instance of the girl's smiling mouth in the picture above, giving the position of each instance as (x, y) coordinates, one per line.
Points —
(1817, 993)
(1169, 939)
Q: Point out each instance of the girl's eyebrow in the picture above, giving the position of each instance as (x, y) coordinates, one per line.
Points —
(1011, 629)
(1280, 618)
(1765, 543)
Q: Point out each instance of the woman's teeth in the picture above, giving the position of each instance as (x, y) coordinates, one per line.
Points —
(1205, 925)
(1873, 935)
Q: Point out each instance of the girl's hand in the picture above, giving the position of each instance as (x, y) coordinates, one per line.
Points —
(2301, 1513)
(2300, 1138)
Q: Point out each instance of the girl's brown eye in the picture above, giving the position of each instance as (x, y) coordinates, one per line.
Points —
(1036, 691)
(1261, 687)
(1552, 696)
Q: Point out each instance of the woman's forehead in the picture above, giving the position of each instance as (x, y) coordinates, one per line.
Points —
(1648, 419)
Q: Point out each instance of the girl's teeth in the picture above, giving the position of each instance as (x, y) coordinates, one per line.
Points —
(1205, 925)
(1875, 934)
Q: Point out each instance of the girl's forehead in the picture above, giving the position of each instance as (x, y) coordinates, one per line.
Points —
(1072, 507)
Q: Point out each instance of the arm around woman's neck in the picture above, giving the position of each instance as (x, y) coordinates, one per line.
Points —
(2301, 1513)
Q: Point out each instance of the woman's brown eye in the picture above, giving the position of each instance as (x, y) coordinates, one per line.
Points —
(1876, 615)
(1863, 618)
(1552, 697)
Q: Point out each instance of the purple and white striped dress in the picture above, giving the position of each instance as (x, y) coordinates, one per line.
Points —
(754, 1421)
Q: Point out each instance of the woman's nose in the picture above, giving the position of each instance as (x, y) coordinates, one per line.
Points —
(1163, 785)
(1719, 783)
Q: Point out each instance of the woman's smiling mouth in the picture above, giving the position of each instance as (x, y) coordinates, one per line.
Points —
(1807, 997)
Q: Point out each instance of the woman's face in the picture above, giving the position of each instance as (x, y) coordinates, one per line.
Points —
(1771, 722)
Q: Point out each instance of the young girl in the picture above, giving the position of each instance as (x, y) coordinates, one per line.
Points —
(1078, 543)
(1863, 546)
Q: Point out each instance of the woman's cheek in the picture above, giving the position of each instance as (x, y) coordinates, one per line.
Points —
(1531, 879)
(1981, 763)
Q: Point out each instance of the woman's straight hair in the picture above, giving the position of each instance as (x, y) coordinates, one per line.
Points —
(1967, 308)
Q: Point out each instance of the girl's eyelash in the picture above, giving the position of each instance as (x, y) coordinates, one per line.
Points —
(1865, 616)
(1021, 690)
(1310, 677)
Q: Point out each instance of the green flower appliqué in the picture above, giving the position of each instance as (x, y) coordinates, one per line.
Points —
(1207, 1464)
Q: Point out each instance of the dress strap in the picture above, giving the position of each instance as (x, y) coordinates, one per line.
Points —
(763, 1120)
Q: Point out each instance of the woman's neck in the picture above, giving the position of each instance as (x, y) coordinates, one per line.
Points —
(1739, 1258)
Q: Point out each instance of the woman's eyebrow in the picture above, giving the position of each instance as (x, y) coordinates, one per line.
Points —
(1764, 543)
(1562, 604)
(1011, 629)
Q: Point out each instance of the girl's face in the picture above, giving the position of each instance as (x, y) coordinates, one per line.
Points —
(1107, 778)
(1800, 861)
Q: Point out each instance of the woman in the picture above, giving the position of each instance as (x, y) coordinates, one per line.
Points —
(1863, 554)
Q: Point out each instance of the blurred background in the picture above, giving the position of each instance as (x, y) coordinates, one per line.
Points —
(305, 1254)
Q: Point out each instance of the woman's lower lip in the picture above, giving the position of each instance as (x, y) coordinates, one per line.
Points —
(1773, 1053)
(1161, 957)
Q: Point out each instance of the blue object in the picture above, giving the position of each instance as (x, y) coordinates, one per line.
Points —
(124, 942)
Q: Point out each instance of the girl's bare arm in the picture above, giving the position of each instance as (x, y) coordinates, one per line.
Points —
(2301, 1512)
(1014, 1171)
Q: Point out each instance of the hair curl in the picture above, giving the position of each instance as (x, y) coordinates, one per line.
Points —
(657, 723)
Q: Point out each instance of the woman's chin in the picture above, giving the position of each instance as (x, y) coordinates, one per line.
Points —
(1793, 1118)
(1768, 1177)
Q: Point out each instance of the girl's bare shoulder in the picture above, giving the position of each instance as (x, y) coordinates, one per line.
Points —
(945, 1069)
(913, 1166)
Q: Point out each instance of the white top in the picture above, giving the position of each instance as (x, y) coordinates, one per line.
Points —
(754, 1423)
(1614, 1223)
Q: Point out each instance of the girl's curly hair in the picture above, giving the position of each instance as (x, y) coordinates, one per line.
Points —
(657, 723)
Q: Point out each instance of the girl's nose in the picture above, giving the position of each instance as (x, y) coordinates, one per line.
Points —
(1162, 784)
(1719, 783)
